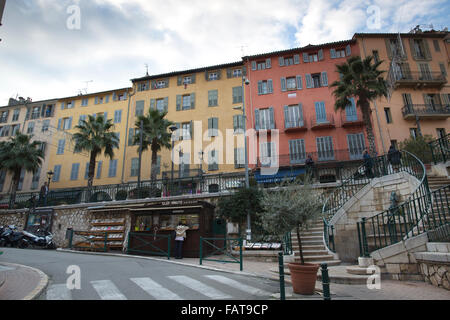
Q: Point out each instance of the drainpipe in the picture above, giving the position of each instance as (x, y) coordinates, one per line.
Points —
(126, 132)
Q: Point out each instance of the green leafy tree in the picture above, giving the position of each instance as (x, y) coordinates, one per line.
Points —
(155, 135)
(360, 79)
(18, 153)
(289, 207)
(95, 136)
(419, 147)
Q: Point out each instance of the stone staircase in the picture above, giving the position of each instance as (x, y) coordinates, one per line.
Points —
(437, 182)
(314, 249)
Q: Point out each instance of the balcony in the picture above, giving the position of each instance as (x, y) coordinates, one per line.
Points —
(293, 126)
(426, 111)
(354, 120)
(418, 79)
(326, 122)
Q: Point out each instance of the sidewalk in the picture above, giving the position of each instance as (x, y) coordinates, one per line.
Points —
(18, 282)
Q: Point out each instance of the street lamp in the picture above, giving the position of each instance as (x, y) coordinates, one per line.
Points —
(49, 177)
(247, 182)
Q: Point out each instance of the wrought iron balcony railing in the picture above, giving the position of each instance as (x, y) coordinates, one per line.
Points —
(438, 111)
(327, 121)
(408, 78)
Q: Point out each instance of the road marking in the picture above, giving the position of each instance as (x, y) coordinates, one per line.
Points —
(155, 289)
(238, 285)
(107, 290)
(200, 287)
(59, 292)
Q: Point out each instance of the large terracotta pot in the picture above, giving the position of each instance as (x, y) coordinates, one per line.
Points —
(303, 277)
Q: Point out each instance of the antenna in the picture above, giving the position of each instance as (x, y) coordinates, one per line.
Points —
(87, 85)
(146, 69)
(242, 49)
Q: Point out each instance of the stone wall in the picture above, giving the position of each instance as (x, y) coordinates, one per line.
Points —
(13, 217)
(374, 198)
(434, 264)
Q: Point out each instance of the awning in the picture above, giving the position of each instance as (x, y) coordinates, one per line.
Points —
(279, 176)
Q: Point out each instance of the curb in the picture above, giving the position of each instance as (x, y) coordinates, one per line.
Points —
(250, 274)
(43, 281)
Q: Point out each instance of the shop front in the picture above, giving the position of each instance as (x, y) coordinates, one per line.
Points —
(153, 227)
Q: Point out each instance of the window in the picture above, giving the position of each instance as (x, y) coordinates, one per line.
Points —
(47, 111)
(16, 115)
(61, 144)
(340, 53)
(4, 117)
(237, 73)
(22, 177)
(84, 102)
(70, 104)
(35, 179)
(187, 80)
(291, 83)
(36, 111)
(443, 71)
(99, 169)
(337, 53)
(394, 143)
(356, 145)
(264, 119)
(288, 61)
(67, 123)
(441, 133)
(43, 147)
(436, 45)
(74, 172)
(2, 179)
(186, 102)
(213, 76)
(313, 57)
(142, 86)
(350, 111)
(213, 127)
(262, 64)
(45, 125)
(122, 96)
(140, 108)
(387, 113)
(213, 97)
(4, 131)
(15, 129)
(425, 73)
(325, 150)
(239, 158)
(30, 128)
(293, 116)
(117, 116)
(56, 173)
(413, 132)
(213, 160)
(186, 130)
(238, 123)
(297, 153)
(265, 87)
(161, 84)
(268, 154)
(419, 49)
(237, 95)
(316, 80)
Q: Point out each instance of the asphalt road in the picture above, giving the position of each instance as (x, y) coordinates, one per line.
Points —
(118, 278)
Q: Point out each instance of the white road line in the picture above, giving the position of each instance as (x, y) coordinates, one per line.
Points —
(238, 285)
(155, 289)
(200, 287)
(59, 292)
(107, 290)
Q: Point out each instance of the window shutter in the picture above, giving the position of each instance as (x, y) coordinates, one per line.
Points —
(272, 118)
(300, 114)
(286, 117)
(191, 129)
(152, 104)
(105, 116)
(260, 87)
(305, 57)
(178, 102)
(206, 76)
(96, 100)
(114, 96)
(283, 84)
(309, 83)
(333, 53)
(153, 85)
(166, 104)
(193, 78)
(70, 123)
(445, 99)
(253, 65)
(268, 63)
(269, 86)
(320, 54)
(130, 136)
(192, 101)
(244, 71)
(281, 61)
(348, 50)
(296, 59)
(59, 123)
(99, 169)
(229, 74)
(257, 119)
(324, 79)
(235, 122)
(299, 82)
(210, 126)
(179, 80)
(427, 49)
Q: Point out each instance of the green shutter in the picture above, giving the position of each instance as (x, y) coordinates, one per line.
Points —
(257, 119)
(269, 86)
(178, 102)
(296, 59)
(192, 100)
(283, 84)
(299, 82)
(324, 79)
(309, 82)
(281, 61)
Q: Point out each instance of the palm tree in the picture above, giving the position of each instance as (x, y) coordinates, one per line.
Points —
(360, 79)
(95, 135)
(18, 153)
(155, 135)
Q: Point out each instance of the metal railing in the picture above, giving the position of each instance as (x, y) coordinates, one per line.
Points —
(398, 222)
(287, 244)
(361, 177)
(327, 121)
(440, 149)
(426, 110)
(417, 76)
(150, 244)
(229, 244)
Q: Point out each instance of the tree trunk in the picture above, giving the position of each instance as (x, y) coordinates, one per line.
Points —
(302, 260)
(14, 186)
(366, 113)
(153, 172)
(91, 171)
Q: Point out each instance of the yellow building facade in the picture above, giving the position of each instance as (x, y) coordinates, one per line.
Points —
(416, 65)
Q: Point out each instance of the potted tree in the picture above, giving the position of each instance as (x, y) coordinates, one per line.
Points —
(293, 206)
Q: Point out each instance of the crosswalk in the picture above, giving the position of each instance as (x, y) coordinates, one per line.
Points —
(218, 287)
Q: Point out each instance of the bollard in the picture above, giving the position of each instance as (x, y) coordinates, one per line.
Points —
(281, 270)
(325, 282)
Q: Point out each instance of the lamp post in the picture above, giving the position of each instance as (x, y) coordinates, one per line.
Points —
(247, 182)
(49, 177)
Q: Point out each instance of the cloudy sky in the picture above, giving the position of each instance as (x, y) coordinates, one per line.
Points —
(51, 48)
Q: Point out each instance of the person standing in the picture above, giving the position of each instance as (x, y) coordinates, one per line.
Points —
(394, 157)
(368, 164)
(309, 166)
(180, 236)
(43, 194)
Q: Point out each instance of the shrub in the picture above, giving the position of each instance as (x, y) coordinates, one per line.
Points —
(419, 147)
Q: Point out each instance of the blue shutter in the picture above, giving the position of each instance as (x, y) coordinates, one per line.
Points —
(348, 50)
(296, 59)
(99, 169)
(192, 100)
(178, 102)
(324, 79)
(283, 84)
(272, 118)
(320, 112)
(268, 63)
(152, 104)
(309, 82)
(333, 53)
(286, 117)
(70, 123)
(350, 111)
(305, 57)
(260, 87)
(281, 61)
(269, 86)
(253, 65)
(256, 119)
(59, 123)
(299, 82)
(320, 54)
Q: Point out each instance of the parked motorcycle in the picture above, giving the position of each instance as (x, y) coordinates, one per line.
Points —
(13, 238)
(40, 238)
